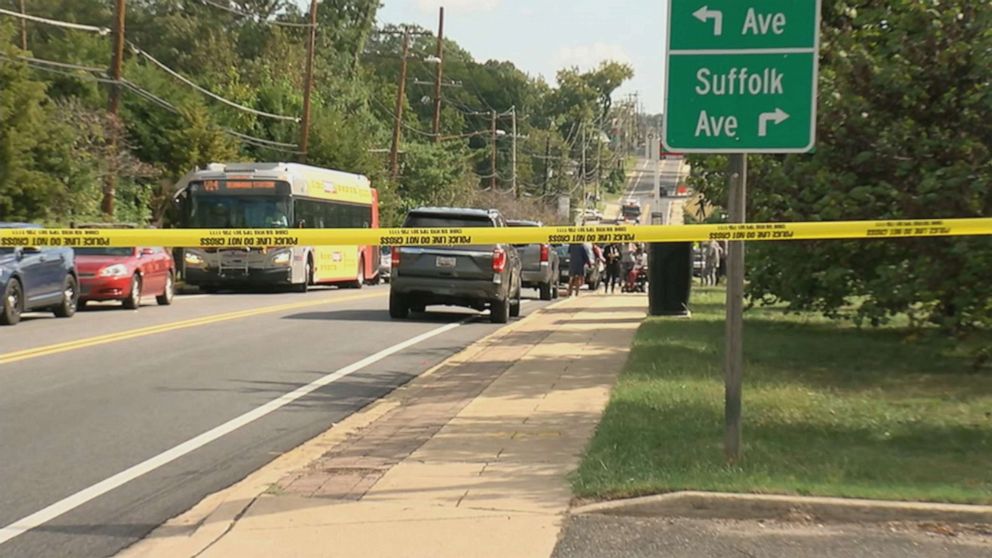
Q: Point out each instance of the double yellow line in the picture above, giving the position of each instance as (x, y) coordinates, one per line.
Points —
(16, 356)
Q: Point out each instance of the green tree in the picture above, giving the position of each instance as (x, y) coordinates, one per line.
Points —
(904, 132)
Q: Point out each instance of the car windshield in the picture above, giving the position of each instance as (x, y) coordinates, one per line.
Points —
(121, 252)
(435, 221)
(5, 251)
(250, 212)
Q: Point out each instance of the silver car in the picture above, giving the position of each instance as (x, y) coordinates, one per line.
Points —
(540, 264)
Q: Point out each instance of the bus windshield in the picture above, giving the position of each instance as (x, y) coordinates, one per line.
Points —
(248, 212)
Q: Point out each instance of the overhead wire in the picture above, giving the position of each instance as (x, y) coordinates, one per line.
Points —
(253, 17)
(57, 23)
(207, 92)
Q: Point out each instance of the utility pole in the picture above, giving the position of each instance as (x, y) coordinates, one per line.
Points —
(582, 127)
(547, 164)
(439, 75)
(599, 165)
(24, 28)
(513, 153)
(114, 108)
(394, 152)
(308, 86)
(492, 179)
(734, 352)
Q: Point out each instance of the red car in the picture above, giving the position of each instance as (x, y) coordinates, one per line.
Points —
(125, 274)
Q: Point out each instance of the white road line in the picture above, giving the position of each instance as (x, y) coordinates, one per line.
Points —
(72, 502)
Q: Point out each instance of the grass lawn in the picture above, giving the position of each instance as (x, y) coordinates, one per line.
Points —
(828, 410)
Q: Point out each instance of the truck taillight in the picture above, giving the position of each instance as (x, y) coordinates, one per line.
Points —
(544, 252)
(394, 257)
(499, 260)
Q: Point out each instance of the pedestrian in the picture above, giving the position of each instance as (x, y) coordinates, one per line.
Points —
(712, 254)
(579, 258)
(613, 255)
(628, 259)
(721, 271)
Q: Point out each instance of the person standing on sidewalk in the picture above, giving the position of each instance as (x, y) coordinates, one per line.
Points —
(712, 254)
(578, 259)
(612, 255)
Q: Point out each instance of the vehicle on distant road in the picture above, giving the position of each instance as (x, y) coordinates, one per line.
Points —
(36, 279)
(630, 211)
(479, 276)
(592, 215)
(593, 273)
(539, 263)
(277, 196)
(126, 275)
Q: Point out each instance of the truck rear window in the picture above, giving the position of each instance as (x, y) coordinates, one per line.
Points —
(425, 221)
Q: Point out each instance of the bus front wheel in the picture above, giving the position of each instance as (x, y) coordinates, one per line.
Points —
(360, 282)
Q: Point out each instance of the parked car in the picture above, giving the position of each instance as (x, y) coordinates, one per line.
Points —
(479, 276)
(539, 263)
(36, 279)
(385, 262)
(593, 272)
(126, 275)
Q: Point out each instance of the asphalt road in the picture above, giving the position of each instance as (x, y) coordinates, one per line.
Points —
(641, 186)
(104, 397)
(598, 536)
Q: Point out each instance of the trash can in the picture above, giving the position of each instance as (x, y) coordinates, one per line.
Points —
(669, 278)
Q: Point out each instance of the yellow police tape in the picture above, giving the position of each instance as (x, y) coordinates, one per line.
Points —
(220, 238)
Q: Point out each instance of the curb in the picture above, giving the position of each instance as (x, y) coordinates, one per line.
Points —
(711, 505)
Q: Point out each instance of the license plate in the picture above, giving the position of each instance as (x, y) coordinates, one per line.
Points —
(445, 261)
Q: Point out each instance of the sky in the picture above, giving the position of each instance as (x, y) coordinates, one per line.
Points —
(542, 36)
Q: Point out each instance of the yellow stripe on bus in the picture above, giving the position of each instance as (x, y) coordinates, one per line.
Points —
(274, 238)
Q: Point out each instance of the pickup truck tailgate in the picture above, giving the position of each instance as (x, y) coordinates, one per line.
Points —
(452, 263)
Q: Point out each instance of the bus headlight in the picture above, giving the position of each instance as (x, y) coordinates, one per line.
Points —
(192, 259)
(282, 258)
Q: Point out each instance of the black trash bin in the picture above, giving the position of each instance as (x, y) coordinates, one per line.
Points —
(669, 278)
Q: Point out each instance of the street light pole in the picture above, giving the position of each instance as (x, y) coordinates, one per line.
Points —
(513, 155)
(492, 179)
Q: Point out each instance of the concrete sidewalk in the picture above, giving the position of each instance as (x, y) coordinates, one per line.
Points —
(469, 460)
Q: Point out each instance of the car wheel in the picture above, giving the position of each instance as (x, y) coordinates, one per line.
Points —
(70, 298)
(499, 311)
(165, 299)
(13, 303)
(133, 300)
(515, 305)
(399, 306)
(546, 291)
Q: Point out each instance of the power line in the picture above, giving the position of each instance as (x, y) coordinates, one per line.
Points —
(207, 92)
(57, 23)
(253, 17)
(403, 124)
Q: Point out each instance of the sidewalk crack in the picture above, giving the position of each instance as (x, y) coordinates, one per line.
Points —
(229, 527)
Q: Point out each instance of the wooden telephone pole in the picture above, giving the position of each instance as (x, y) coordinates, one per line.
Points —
(439, 76)
(114, 108)
(394, 150)
(492, 179)
(24, 29)
(308, 86)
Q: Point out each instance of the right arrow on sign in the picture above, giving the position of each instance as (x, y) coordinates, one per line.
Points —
(778, 117)
(705, 13)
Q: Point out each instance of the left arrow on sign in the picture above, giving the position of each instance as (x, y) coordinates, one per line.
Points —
(778, 117)
(705, 13)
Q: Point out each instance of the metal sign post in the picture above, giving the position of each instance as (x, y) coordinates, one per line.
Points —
(740, 78)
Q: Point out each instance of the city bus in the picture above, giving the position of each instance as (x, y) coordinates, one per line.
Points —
(270, 196)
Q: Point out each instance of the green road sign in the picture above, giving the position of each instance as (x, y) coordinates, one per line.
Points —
(741, 76)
